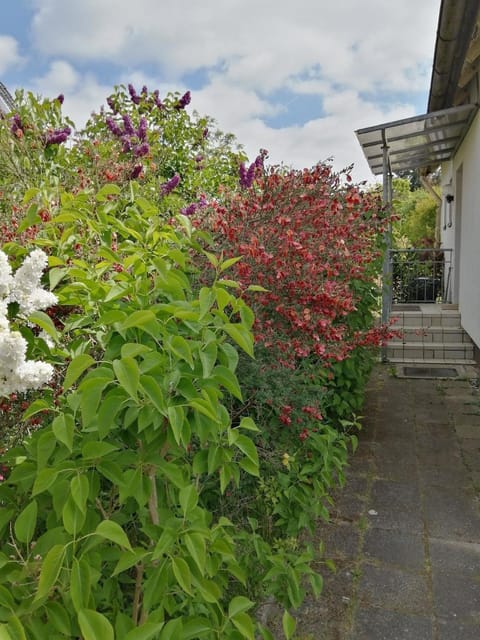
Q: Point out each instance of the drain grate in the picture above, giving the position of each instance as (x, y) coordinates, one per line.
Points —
(430, 372)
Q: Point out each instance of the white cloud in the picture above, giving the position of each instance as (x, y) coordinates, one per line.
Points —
(9, 54)
(346, 53)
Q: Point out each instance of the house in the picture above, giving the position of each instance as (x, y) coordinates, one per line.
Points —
(447, 136)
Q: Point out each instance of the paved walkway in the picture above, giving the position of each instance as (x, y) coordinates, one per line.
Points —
(405, 532)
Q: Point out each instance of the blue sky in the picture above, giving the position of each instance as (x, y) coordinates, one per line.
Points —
(296, 78)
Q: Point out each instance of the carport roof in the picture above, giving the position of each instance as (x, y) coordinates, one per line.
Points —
(421, 141)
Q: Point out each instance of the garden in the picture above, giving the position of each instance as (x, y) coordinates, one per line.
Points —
(185, 339)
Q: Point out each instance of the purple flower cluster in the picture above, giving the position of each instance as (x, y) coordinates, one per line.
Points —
(247, 176)
(170, 185)
(184, 100)
(112, 105)
(60, 98)
(58, 136)
(190, 209)
(16, 124)
(136, 171)
(133, 94)
(156, 99)
(132, 139)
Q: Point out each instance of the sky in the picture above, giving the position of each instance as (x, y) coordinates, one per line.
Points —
(295, 77)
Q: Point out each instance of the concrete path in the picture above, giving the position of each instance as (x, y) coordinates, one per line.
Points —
(405, 532)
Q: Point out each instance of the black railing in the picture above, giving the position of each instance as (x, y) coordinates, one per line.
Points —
(421, 275)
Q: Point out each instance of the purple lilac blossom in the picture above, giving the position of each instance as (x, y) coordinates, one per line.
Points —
(113, 126)
(58, 136)
(133, 94)
(205, 133)
(111, 104)
(157, 100)
(128, 125)
(142, 129)
(189, 210)
(169, 186)
(184, 100)
(16, 124)
(60, 98)
(144, 90)
(136, 171)
(126, 144)
(141, 149)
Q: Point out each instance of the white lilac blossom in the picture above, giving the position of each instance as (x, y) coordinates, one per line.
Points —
(26, 289)
(16, 373)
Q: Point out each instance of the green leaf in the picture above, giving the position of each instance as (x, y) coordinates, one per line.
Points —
(176, 417)
(75, 369)
(112, 531)
(188, 498)
(244, 624)
(248, 424)
(226, 264)
(55, 276)
(59, 618)
(44, 479)
(4, 634)
(63, 428)
(196, 628)
(139, 319)
(195, 543)
(25, 523)
(107, 190)
(50, 570)
(35, 407)
(44, 321)
(80, 584)
(242, 336)
(128, 375)
(94, 625)
(208, 357)
(288, 624)
(180, 347)
(80, 488)
(73, 518)
(247, 447)
(16, 628)
(97, 449)
(238, 605)
(172, 630)
(206, 299)
(154, 393)
(128, 559)
(146, 631)
(182, 574)
(228, 380)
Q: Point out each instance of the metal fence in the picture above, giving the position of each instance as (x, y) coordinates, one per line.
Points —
(421, 275)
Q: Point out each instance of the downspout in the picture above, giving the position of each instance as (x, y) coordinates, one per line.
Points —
(387, 264)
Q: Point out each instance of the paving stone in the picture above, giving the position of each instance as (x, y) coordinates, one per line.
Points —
(456, 597)
(393, 589)
(467, 419)
(452, 476)
(451, 513)
(471, 460)
(468, 430)
(378, 624)
(454, 630)
(396, 548)
(396, 506)
(455, 556)
(341, 539)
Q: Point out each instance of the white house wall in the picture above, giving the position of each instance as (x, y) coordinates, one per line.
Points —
(467, 196)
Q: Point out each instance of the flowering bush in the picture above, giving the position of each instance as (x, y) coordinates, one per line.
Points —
(149, 503)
